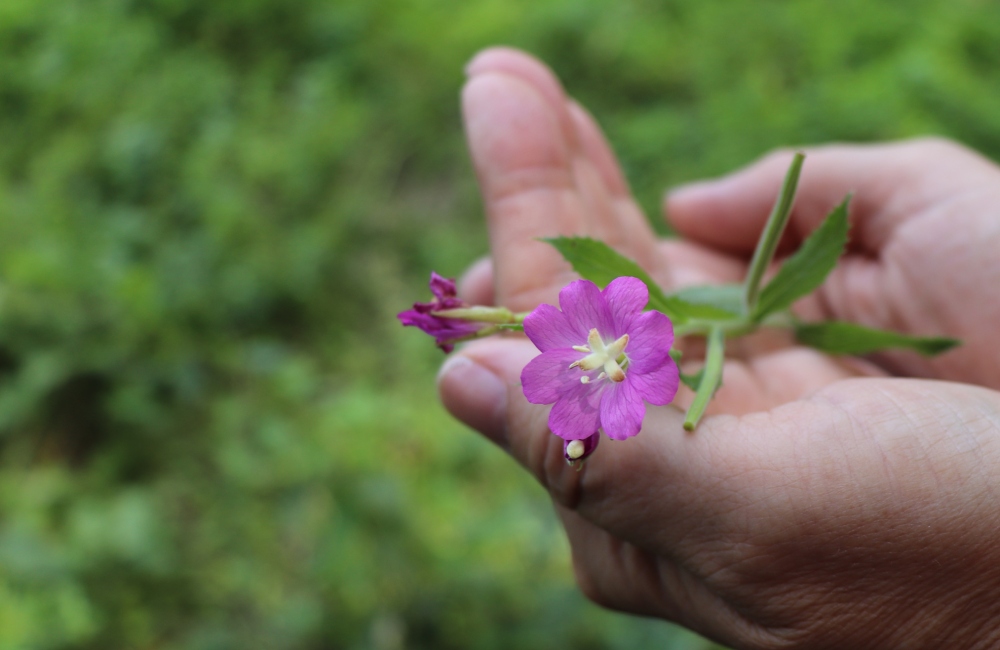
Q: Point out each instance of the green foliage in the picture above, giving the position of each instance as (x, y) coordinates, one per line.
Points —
(804, 272)
(212, 432)
(838, 337)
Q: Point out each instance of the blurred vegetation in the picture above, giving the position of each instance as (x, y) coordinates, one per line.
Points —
(213, 433)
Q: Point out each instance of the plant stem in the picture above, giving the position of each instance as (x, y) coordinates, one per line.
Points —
(714, 357)
(769, 239)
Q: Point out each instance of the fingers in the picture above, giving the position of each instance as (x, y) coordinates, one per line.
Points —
(522, 155)
(596, 149)
(476, 284)
(616, 218)
(729, 213)
(545, 170)
(691, 264)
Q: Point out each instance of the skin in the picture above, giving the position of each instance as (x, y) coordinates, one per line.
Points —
(825, 503)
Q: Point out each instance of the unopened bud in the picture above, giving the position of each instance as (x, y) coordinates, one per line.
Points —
(578, 450)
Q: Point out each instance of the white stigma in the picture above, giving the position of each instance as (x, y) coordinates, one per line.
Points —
(601, 355)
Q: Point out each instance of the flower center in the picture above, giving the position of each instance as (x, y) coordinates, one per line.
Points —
(610, 356)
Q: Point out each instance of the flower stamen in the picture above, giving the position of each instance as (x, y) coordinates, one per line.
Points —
(611, 356)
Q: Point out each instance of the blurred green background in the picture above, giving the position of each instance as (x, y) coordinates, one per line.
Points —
(213, 432)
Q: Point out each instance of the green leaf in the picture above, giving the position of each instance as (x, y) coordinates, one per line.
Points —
(599, 263)
(725, 297)
(803, 272)
(837, 337)
(770, 237)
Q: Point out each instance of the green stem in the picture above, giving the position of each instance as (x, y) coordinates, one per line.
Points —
(714, 357)
(769, 239)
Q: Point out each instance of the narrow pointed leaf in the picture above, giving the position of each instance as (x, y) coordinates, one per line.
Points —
(804, 272)
(596, 261)
(763, 253)
(837, 337)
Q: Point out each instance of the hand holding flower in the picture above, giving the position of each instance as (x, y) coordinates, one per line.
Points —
(822, 510)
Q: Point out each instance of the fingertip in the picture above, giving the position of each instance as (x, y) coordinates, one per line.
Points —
(521, 65)
(510, 128)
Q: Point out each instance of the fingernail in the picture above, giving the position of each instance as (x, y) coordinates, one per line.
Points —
(475, 396)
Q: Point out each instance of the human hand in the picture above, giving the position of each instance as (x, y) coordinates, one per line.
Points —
(924, 241)
(836, 513)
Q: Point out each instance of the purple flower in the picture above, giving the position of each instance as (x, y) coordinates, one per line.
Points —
(602, 357)
(446, 331)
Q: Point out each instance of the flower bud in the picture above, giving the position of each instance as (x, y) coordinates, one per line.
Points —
(578, 450)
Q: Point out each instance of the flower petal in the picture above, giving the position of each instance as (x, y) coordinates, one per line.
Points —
(577, 414)
(626, 298)
(548, 328)
(442, 288)
(585, 308)
(659, 386)
(548, 376)
(650, 336)
(622, 410)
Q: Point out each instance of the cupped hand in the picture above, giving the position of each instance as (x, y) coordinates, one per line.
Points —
(817, 510)
(925, 237)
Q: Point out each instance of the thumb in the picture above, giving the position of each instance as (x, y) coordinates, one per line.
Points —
(654, 488)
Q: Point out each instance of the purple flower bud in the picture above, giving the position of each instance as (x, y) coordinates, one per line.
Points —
(576, 451)
(446, 331)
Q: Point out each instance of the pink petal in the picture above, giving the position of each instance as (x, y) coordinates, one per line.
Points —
(657, 387)
(650, 336)
(548, 376)
(577, 414)
(442, 288)
(622, 411)
(585, 308)
(626, 297)
(548, 328)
